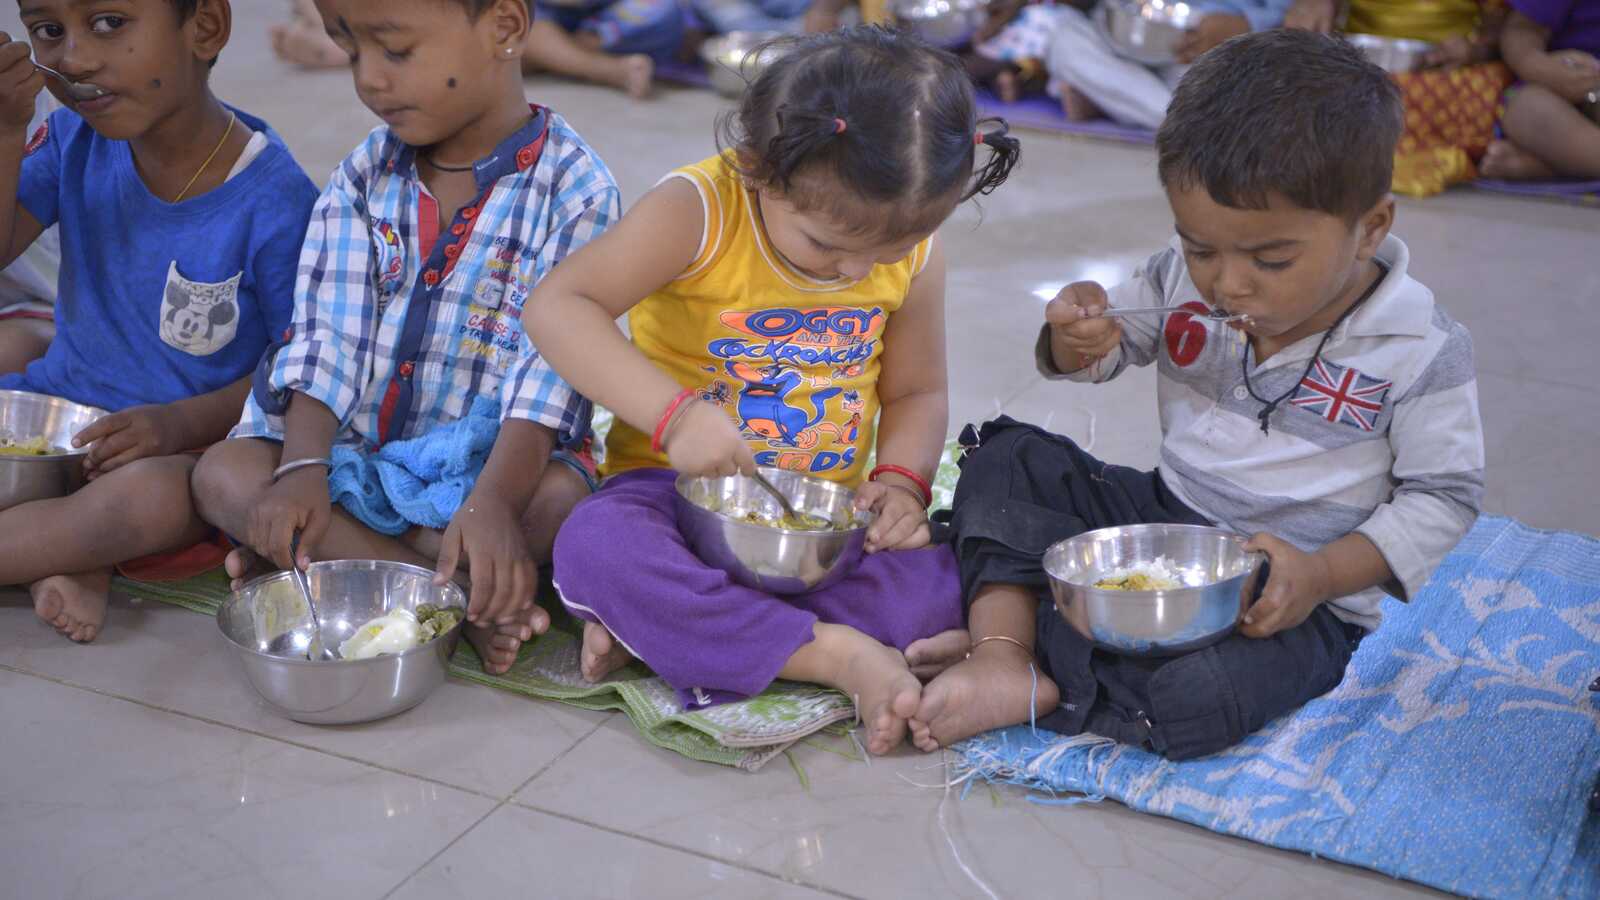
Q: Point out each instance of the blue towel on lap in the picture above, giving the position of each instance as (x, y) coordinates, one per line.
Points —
(418, 481)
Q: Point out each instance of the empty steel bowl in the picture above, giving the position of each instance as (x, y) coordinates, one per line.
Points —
(1220, 581)
(712, 516)
(942, 23)
(1394, 55)
(735, 59)
(267, 622)
(1146, 31)
(26, 417)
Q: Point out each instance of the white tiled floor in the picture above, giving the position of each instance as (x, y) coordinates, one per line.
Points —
(142, 766)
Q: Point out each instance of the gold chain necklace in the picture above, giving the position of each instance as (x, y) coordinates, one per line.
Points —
(232, 117)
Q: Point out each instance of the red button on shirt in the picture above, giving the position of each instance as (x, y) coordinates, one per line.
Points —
(458, 229)
(406, 368)
(430, 277)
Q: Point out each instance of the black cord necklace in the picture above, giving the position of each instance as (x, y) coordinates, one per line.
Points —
(1271, 406)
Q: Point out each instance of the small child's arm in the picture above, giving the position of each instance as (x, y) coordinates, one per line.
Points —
(160, 429)
(1437, 439)
(20, 84)
(1078, 344)
(571, 319)
(913, 388)
(1525, 43)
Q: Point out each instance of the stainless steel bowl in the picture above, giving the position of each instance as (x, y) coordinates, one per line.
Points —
(711, 515)
(735, 59)
(1221, 579)
(1146, 31)
(25, 417)
(267, 622)
(1394, 55)
(942, 23)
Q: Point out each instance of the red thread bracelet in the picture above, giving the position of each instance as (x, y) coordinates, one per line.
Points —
(921, 483)
(666, 419)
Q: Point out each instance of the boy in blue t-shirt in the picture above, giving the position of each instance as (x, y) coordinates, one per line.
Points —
(180, 221)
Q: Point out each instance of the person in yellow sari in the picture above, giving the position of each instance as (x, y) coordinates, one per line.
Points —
(1453, 102)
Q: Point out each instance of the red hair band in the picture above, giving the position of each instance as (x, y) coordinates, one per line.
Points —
(839, 126)
(977, 138)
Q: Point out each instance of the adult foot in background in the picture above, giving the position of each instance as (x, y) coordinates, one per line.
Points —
(1507, 161)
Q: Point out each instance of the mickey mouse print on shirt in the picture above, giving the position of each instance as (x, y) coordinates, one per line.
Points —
(196, 317)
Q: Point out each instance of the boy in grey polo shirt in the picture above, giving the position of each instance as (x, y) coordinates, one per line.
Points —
(1337, 424)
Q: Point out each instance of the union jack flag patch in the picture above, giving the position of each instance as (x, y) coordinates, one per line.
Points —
(1343, 395)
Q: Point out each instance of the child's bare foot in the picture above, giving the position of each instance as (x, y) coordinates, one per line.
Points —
(1512, 163)
(990, 689)
(1005, 86)
(75, 605)
(885, 692)
(498, 645)
(243, 565)
(638, 75)
(602, 653)
(306, 46)
(931, 656)
(1078, 107)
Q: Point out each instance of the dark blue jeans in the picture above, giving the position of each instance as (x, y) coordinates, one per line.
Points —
(1023, 489)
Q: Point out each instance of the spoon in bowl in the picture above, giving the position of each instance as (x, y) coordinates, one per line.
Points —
(792, 518)
(315, 651)
(78, 90)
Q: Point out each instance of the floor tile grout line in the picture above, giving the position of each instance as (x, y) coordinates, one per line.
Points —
(252, 732)
(445, 849)
(511, 798)
(676, 848)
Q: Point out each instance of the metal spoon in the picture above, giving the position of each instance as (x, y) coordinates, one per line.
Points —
(314, 649)
(790, 514)
(1214, 315)
(79, 90)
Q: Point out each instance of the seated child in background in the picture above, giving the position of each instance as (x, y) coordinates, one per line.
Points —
(777, 295)
(725, 16)
(406, 343)
(1009, 51)
(1552, 119)
(28, 284)
(1340, 428)
(179, 218)
(1092, 80)
(610, 42)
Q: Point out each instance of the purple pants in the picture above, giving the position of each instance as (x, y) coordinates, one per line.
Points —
(620, 561)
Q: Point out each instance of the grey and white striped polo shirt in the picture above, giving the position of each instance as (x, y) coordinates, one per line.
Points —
(1382, 438)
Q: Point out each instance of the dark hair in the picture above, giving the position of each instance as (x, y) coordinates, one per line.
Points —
(866, 117)
(1286, 112)
(186, 8)
(475, 8)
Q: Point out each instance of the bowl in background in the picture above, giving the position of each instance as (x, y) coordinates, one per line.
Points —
(25, 417)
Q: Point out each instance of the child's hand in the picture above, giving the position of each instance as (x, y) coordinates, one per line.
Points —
(1211, 31)
(1312, 15)
(120, 438)
(1297, 585)
(901, 521)
(1573, 74)
(488, 532)
(703, 441)
(20, 83)
(1077, 332)
(298, 503)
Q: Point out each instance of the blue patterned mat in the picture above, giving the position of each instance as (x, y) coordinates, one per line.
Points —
(1459, 752)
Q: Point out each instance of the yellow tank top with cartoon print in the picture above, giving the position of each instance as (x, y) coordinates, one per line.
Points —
(792, 360)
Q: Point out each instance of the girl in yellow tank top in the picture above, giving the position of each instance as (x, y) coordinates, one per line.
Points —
(786, 305)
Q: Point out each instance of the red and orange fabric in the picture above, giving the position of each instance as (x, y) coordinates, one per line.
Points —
(1450, 112)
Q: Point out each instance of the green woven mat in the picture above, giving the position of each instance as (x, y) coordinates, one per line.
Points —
(746, 735)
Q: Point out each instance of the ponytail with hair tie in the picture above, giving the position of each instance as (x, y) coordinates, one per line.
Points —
(1005, 152)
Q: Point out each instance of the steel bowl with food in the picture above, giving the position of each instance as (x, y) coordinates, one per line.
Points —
(1203, 581)
(1146, 31)
(734, 525)
(268, 624)
(37, 461)
(1396, 56)
(942, 23)
(735, 59)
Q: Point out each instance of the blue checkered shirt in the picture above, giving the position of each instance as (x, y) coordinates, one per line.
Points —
(396, 341)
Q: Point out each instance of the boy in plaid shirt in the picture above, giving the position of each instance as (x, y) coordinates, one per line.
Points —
(407, 335)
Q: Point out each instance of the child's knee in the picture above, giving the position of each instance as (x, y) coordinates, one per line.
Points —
(151, 496)
(228, 480)
(559, 493)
